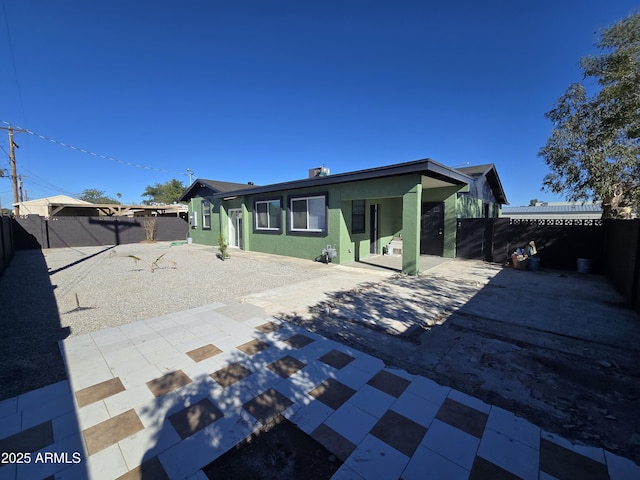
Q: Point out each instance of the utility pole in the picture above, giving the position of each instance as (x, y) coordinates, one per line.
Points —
(12, 158)
(190, 173)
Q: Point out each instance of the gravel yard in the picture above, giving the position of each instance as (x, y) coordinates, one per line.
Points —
(112, 288)
(46, 296)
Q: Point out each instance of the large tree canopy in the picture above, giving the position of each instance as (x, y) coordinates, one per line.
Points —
(164, 193)
(594, 148)
(93, 195)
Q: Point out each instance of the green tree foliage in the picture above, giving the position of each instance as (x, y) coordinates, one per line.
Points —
(594, 148)
(164, 193)
(94, 195)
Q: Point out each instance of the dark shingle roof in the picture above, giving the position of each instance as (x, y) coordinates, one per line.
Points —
(216, 186)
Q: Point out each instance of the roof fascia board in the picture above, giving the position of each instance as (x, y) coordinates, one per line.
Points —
(424, 167)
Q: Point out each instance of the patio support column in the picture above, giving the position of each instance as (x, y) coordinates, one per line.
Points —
(411, 203)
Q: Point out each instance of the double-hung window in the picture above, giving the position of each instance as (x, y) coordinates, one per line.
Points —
(206, 215)
(357, 216)
(268, 215)
(308, 214)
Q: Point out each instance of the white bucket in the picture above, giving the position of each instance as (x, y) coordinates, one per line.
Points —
(189, 240)
(584, 265)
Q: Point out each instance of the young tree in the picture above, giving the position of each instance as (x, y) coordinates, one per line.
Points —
(94, 195)
(164, 193)
(594, 148)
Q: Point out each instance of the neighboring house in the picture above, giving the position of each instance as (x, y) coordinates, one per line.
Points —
(56, 205)
(414, 204)
(63, 205)
(555, 211)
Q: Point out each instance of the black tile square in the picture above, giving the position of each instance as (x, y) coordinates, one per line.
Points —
(286, 366)
(463, 417)
(336, 359)
(400, 432)
(332, 393)
(563, 463)
(230, 374)
(268, 405)
(389, 383)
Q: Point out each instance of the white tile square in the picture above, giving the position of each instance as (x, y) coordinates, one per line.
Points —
(294, 391)
(78, 344)
(519, 429)
(515, 457)
(158, 344)
(82, 378)
(10, 425)
(353, 376)
(161, 323)
(203, 368)
(167, 360)
(148, 443)
(232, 397)
(416, 408)
(132, 376)
(309, 417)
(52, 407)
(92, 415)
(65, 426)
(108, 463)
(451, 443)
(187, 457)
(621, 468)
(228, 431)
(367, 363)
(313, 374)
(137, 329)
(154, 413)
(351, 422)
(108, 337)
(372, 401)
(59, 392)
(429, 390)
(346, 473)
(128, 399)
(373, 458)
(427, 464)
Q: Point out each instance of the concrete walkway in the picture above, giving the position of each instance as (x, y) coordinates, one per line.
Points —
(164, 397)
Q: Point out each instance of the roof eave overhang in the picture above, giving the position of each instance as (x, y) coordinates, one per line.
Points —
(424, 167)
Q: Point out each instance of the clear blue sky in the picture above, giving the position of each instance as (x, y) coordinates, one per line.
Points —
(264, 90)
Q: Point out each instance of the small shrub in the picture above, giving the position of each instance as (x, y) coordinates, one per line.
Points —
(222, 247)
(150, 225)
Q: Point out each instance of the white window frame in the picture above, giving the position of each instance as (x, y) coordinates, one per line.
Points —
(206, 214)
(323, 219)
(268, 228)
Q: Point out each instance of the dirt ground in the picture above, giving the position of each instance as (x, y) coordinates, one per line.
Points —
(557, 348)
(280, 451)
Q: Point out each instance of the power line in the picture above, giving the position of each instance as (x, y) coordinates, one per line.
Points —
(105, 157)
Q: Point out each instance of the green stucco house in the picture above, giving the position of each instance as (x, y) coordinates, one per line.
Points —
(407, 208)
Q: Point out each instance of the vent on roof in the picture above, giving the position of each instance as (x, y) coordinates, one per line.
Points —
(318, 172)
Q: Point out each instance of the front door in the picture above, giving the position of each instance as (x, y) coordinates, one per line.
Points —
(235, 227)
(373, 230)
(432, 229)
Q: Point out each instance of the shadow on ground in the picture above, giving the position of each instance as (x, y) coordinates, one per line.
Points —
(555, 347)
(30, 327)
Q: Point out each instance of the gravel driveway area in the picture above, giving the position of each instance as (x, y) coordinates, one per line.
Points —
(52, 294)
(112, 288)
